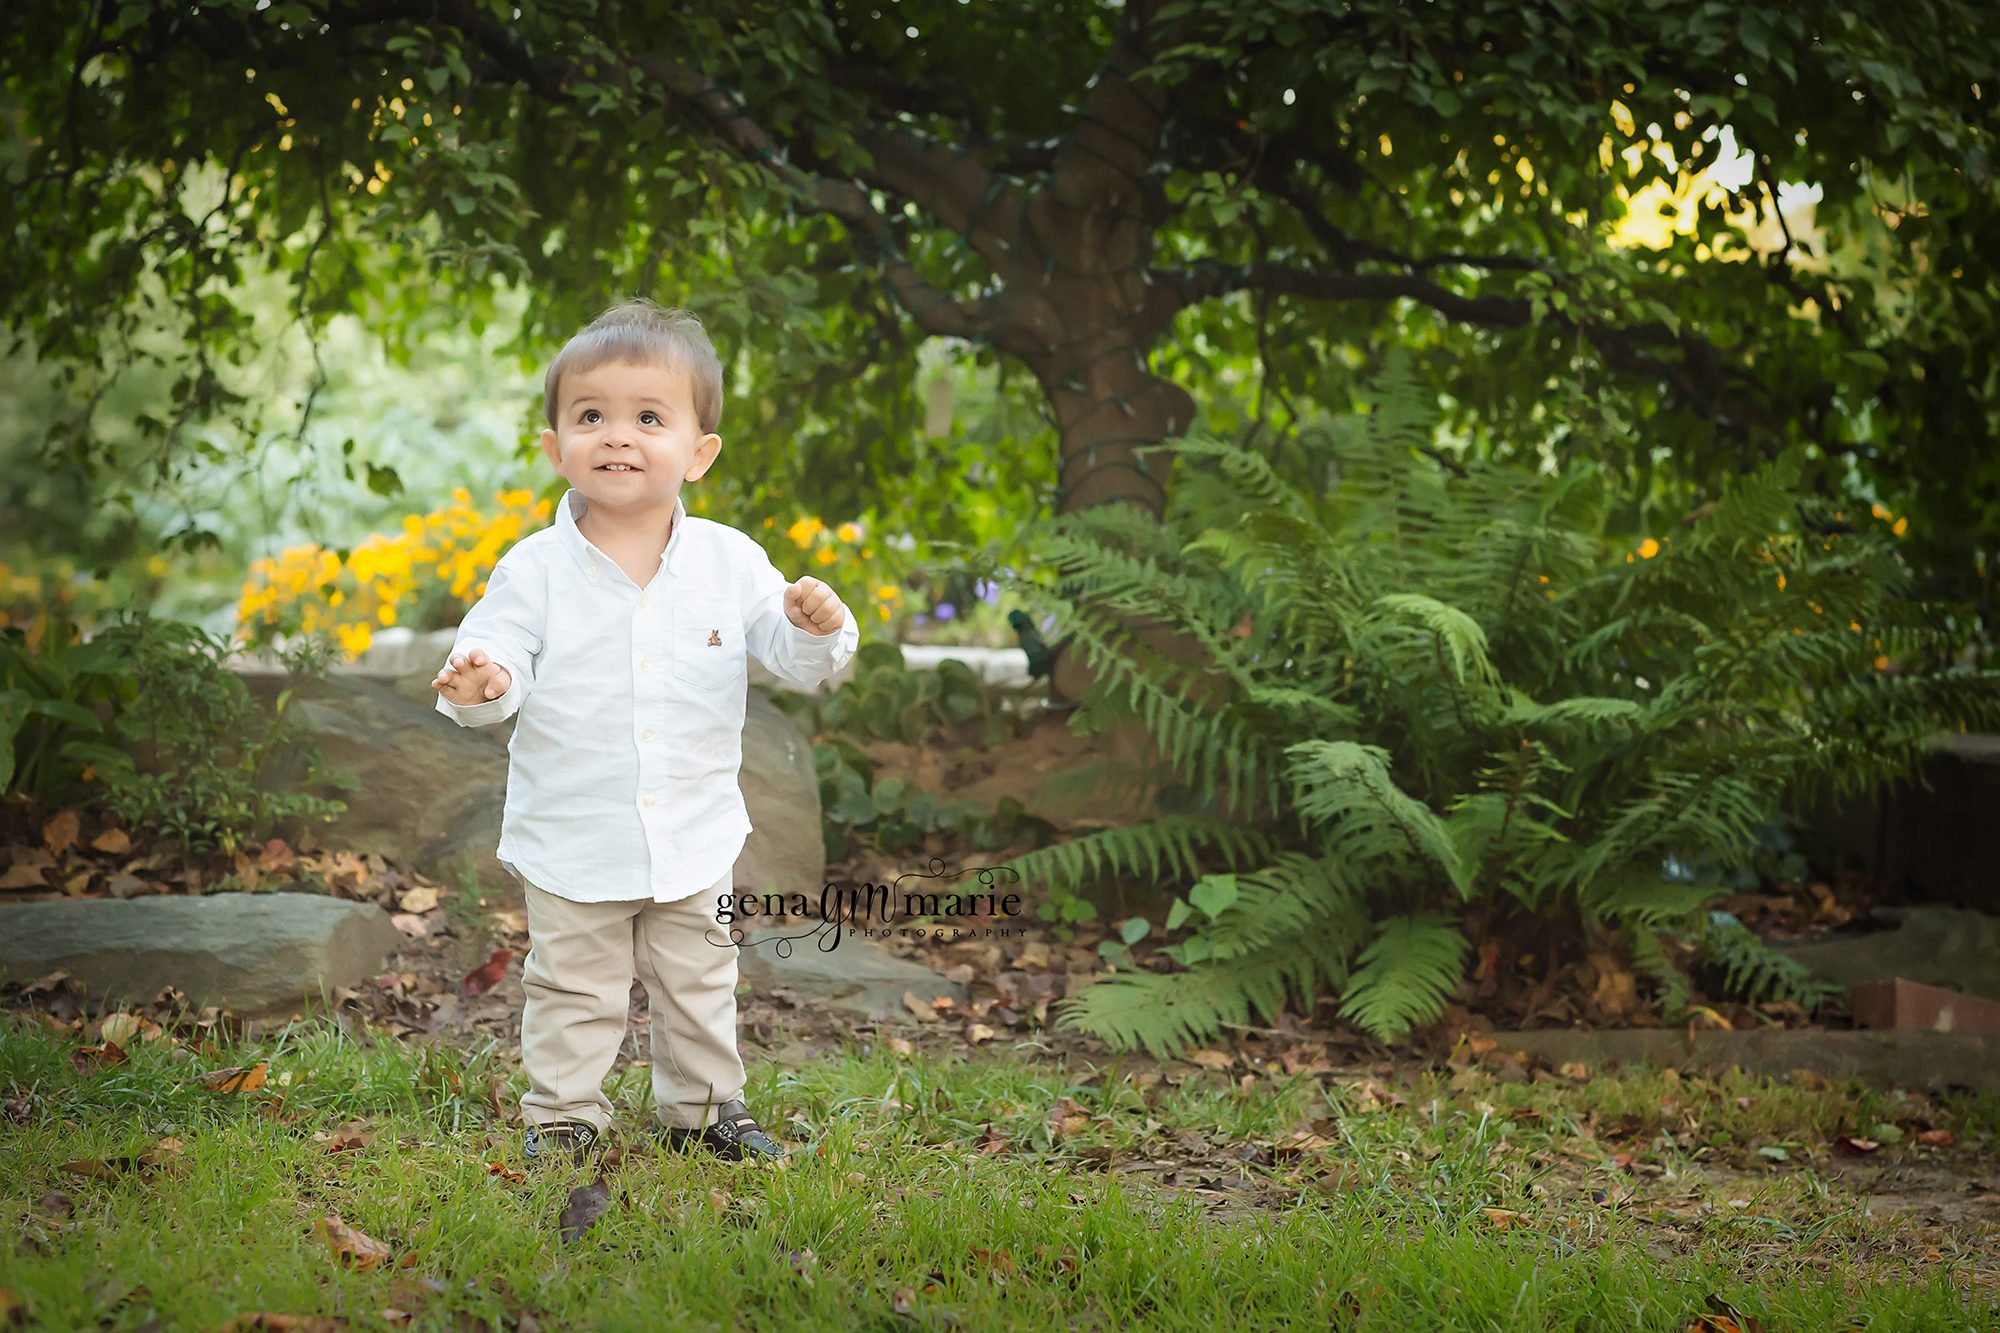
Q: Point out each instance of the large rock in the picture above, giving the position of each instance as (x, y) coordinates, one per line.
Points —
(1938, 946)
(855, 974)
(257, 954)
(432, 792)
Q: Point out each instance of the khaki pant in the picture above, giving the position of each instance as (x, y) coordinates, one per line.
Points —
(578, 979)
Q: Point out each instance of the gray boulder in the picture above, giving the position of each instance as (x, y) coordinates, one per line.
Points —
(855, 975)
(1939, 946)
(432, 792)
(256, 954)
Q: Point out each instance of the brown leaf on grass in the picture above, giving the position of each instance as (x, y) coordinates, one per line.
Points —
(60, 833)
(586, 1204)
(166, 1152)
(355, 1248)
(502, 1170)
(112, 840)
(997, 1261)
(413, 926)
(1208, 1059)
(1503, 1219)
(91, 1059)
(1937, 1138)
(283, 1323)
(350, 1137)
(1854, 1147)
(921, 1009)
(243, 1078)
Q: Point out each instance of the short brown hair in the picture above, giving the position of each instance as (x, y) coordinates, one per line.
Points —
(641, 330)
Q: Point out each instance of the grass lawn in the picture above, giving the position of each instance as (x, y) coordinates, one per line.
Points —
(379, 1184)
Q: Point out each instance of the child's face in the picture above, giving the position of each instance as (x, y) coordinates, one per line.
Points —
(626, 435)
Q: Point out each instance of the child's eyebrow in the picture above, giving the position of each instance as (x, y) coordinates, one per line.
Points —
(593, 398)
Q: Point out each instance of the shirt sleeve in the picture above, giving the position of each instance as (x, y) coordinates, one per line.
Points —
(797, 655)
(508, 622)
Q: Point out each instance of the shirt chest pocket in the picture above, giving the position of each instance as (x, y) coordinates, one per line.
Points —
(708, 645)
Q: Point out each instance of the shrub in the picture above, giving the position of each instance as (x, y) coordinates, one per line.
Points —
(1426, 700)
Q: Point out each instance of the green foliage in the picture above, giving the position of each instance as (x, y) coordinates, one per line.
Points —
(197, 751)
(1419, 693)
(392, 171)
(1753, 969)
(885, 700)
(893, 817)
(57, 694)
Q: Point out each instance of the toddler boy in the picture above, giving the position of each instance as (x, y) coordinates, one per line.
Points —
(618, 634)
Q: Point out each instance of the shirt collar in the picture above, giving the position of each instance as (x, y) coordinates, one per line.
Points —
(575, 505)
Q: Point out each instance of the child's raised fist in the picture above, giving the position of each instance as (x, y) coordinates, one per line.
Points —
(472, 678)
(812, 606)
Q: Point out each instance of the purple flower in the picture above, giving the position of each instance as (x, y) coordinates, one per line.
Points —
(987, 590)
(1048, 623)
(944, 610)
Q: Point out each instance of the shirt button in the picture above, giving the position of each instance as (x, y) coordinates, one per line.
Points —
(645, 664)
(643, 600)
(646, 735)
(649, 800)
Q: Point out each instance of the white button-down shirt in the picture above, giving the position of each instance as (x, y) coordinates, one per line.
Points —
(622, 770)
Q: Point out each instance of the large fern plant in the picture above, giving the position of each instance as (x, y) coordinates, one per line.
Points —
(1417, 694)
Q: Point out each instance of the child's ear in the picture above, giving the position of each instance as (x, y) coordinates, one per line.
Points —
(704, 455)
(551, 447)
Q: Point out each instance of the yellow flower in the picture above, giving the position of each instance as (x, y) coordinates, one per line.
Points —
(803, 531)
(826, 555)
(355, 638)
(1879, 509)
(847, 532)
(888, 591)
(1781, 582)
(884, 611)
(1881, 664)
(1900, 526)
(387, 615)
(1648, 549)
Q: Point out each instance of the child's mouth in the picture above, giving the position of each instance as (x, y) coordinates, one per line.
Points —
(616, 467)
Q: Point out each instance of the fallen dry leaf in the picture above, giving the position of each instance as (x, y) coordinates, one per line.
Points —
(355, 1248)
(1854, 1147)
(112, 840)
(90, 1059)
(1937, 1138)
(419, 900)
(586, 1204)
(60, 833)
(241, 1079)
(1209, 1059)
(487, 975)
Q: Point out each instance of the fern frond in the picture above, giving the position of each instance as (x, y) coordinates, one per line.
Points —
(1169, 842)
(1405, 975)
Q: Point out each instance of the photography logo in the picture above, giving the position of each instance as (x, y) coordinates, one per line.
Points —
(953, 907)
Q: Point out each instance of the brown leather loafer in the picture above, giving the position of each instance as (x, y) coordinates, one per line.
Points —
(735, 1136)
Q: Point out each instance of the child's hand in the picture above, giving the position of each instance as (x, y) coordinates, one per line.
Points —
(811, 606)
(472, 678)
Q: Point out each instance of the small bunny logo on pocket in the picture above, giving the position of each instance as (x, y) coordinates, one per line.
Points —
(715, 638)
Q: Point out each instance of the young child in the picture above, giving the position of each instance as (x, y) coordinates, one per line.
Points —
(618, 635)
